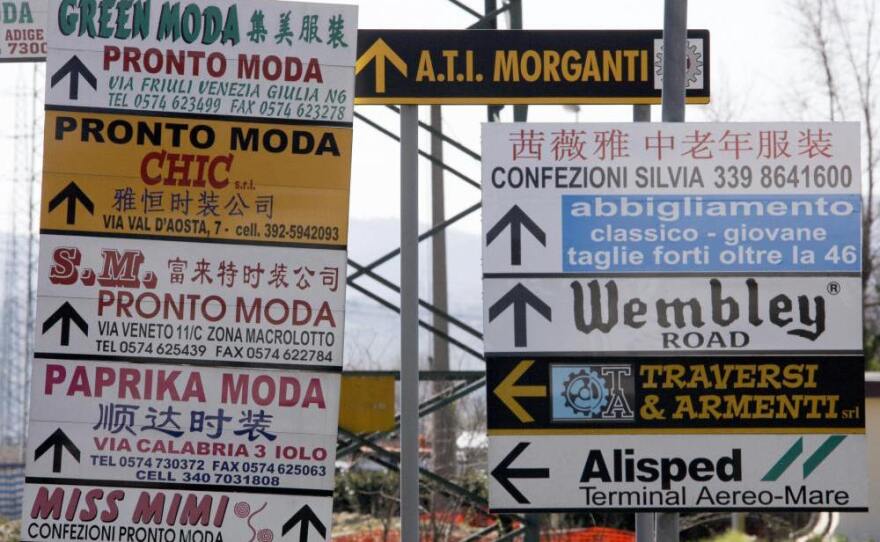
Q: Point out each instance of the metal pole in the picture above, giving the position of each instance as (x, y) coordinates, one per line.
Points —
(645, 520)
(409, 323)
(674, 72)
(674, 60)
(444, 420)
(520, 112)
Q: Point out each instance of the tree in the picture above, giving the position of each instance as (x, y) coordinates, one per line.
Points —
(840, 44)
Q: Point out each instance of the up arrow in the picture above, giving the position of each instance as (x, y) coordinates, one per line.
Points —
(508, 391)
(75, 68)
(57, 442)
(65, 313)
(516, 218)
(519, 296)
(304, 516)
(380, 52)
(71, 194)
(504, 474)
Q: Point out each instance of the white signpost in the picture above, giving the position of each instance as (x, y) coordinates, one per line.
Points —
(611, 247)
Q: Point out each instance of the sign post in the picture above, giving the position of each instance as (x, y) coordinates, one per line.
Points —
(409, 323)
(672, 316)
(191, 297)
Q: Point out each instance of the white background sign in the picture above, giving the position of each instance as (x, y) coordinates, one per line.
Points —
(774, 302)
(175, 62)
(145, 422)
(201, 301)
(129, 514)
(732, 472)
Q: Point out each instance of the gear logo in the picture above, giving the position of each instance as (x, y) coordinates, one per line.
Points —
(592, 393)
(694, 73)
(586, 392)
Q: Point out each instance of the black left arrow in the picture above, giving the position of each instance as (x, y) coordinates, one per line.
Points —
(57, 441)
(503, 473)
(516, 218)
(76, 69)
(66, 313)
(72, 194)
(520, 297)
(304, 516)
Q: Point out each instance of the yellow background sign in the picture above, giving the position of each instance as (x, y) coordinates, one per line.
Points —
(367, 403)
(197, 179)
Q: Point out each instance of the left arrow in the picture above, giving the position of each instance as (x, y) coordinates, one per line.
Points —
(304, 516)
(57, 442)
(72, 194)
(508, 391)
(65, 314)
(504, 474)
(76, 69)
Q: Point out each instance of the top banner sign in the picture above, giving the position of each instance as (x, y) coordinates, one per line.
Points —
(479, 67)
(270, 60)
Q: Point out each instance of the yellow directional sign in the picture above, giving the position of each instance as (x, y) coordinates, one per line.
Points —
(380, 52)
(189, 178)
(508, 391)
(367, 403)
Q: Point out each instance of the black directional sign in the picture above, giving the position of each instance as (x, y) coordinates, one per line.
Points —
(65, 314)
(57, 442)
(516, 220)
(520, 298)
(305, 517)
(520, 67)
(73, 69)
(505, 473)
(72, 194)
(628, 392)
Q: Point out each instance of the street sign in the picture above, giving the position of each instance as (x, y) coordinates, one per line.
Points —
(202, 302)
(23, 31)
(678, 298)
(67, 513)
(185, 425)
(282, 65)
(478, 67)
(191, 299)
(603, 315)
(158, 177)
(677, 472)
(645, 198)
(367, 403)
(558, 396)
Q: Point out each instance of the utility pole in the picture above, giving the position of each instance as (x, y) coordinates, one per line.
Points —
(444, 419)
(409, 323)
(674, 78)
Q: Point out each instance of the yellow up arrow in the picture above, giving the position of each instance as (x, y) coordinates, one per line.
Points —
(380, 51)
(508, 391)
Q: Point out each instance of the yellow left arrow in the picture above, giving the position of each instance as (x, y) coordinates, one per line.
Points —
(380, 51)
(508, 391)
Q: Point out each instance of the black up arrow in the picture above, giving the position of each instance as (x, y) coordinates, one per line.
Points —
(516, 218)
(304, 516)
(71, 194)
(75, 68)
(504, 474)
(65, 313)
(519, 296)
(57, 441)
